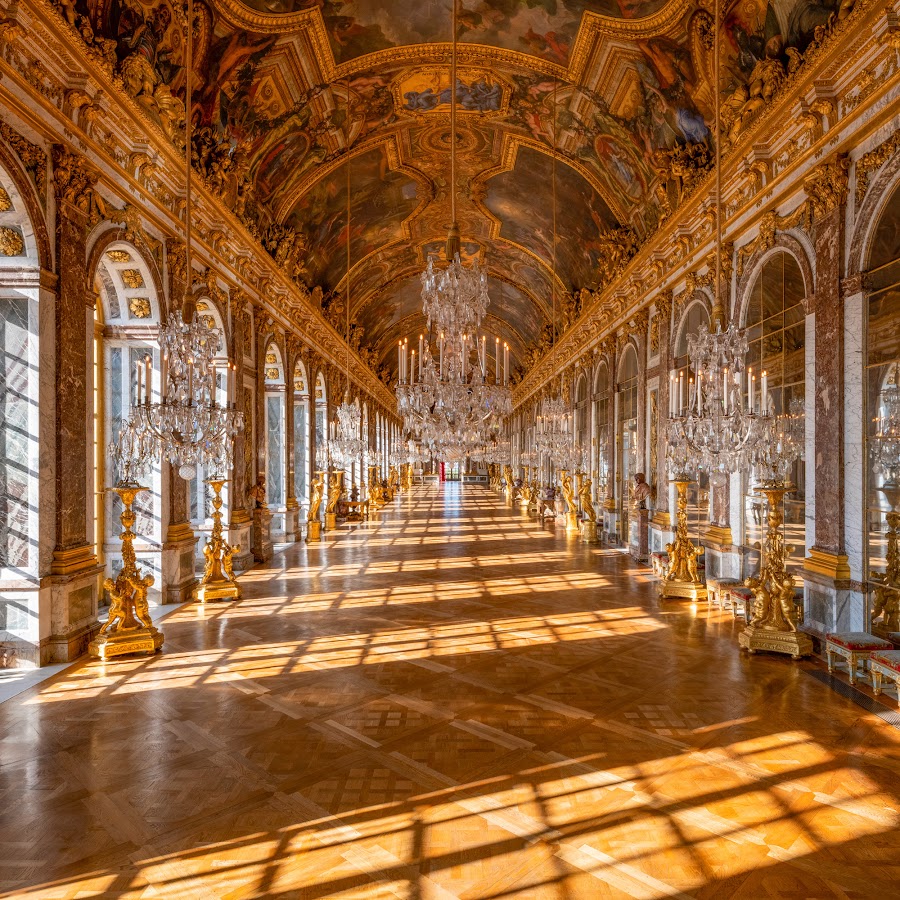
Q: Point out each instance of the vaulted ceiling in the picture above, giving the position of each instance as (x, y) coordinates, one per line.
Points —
(308, 96)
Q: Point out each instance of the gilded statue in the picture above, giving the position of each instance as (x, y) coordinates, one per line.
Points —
(258, 493)
(587, 501)
(568, 491)
(335, 491)
(315, 500)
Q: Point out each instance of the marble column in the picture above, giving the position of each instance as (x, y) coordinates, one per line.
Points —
(826, 569)
(292, 507)
(660, 477)
(262, 518)
(239, 520)
(179, 542)
(75, 571)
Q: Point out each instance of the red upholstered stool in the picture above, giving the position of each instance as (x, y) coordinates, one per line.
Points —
(717, 591)
(885, 664)
(659, 562)
(741, 597)
(855, 647)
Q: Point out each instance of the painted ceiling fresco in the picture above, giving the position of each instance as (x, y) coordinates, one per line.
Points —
(286, 90)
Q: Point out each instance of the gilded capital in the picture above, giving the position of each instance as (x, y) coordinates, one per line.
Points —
(827, 185)
(73, 178)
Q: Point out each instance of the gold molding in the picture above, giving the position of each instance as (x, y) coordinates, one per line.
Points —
(831, 565)
(74, 560)
(717, 534)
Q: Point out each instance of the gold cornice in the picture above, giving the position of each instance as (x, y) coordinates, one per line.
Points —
(592, 25)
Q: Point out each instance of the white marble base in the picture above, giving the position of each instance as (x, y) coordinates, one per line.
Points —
(74, 600)
(179, 575)
(291, 525)
(239, 533)
(827, 608)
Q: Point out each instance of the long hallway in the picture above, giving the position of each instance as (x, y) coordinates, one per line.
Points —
(451, 702)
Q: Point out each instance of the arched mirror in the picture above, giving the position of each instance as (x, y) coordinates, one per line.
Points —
(775, 320)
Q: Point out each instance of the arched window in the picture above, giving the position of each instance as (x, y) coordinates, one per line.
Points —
(776, 330)
(21, 562)
(274, 424)
(882, 379)
(582, 420)
(601, 430)
(126, 329)
(301, 433)
(626, 438)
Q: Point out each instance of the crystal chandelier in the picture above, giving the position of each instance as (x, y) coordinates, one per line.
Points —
(555, 436)
(444, 393)
(719, 417)
(347, 445)
(187, 427)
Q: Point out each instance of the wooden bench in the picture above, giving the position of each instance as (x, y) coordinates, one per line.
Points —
(854, 646)
(718, 591)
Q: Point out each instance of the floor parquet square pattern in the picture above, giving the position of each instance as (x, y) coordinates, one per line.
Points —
(450, 702)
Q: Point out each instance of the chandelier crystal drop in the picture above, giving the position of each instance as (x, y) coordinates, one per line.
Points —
(885, 449)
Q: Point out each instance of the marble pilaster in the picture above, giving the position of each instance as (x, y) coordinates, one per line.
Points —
(75, 571)
(239, 518)
(179, 545)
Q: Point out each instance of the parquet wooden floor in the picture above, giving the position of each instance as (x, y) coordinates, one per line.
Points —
(453, 702)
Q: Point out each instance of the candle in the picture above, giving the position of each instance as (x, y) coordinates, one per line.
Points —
(442, 354)
(400, 360)
(483, 356)
(412, 377)
(147, 378)
(700, 394)
(139, 379)
(764, 399)
(497, 360)
(671, 395)
(725, 390)
(680, 392)
(421, 341)
(506, 363)
(190, 381)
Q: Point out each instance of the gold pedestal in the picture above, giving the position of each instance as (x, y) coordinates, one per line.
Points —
(795, 643)
(335, 492)
(218, 582)
(774, 618)
(682, 581)
(589, 532)
(330, 521)
(313, 532)
(128, 629)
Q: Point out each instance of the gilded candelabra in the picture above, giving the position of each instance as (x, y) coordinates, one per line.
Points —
(313, 522)
(682, 581)
(885, 617)
(507, 475)
(774, 617)
(128, 628)
(218, 582)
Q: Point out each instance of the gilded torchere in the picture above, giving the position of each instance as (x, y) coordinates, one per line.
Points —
(335, 492)
(774, 615)
(682, 580)
(507, 475)
(313, 522)
(218, 582)
(408, 478)
(128, 628)
(589, 525)
(568, 492)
